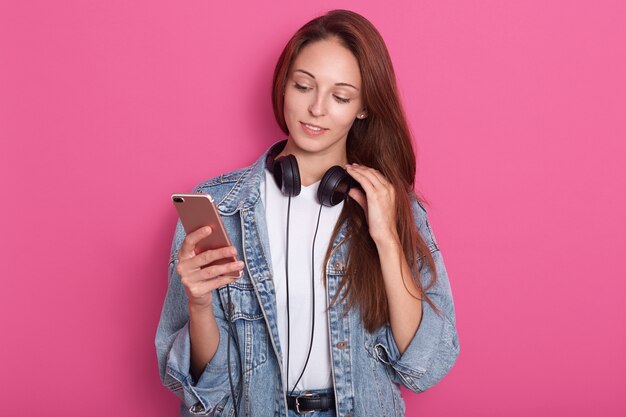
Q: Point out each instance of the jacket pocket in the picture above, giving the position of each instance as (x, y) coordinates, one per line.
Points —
(248, 323)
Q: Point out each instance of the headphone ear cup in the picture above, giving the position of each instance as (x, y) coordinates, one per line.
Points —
(334, 186)
(287, 175)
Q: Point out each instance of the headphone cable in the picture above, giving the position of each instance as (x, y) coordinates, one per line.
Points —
(231, 332)
(312, 302)
(287, 285)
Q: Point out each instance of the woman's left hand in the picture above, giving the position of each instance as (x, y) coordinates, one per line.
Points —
(378, 202)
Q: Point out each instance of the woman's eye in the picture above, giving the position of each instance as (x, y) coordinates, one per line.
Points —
(304, 88)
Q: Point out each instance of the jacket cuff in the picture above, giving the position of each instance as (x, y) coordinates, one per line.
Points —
(211, 389)
(429, 356)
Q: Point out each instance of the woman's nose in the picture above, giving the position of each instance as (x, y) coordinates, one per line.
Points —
(316, 108)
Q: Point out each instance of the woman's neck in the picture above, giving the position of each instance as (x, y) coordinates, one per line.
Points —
(313, 165)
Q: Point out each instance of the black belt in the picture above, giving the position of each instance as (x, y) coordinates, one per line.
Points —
(308, 401)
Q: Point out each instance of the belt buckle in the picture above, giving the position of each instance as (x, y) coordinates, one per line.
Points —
(306, 394)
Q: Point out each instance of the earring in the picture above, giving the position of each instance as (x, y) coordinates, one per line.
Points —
(361, 116)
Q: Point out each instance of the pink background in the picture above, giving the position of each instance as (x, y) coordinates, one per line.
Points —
(518, 108)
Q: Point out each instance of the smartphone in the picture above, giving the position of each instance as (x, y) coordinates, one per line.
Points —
(198, 210)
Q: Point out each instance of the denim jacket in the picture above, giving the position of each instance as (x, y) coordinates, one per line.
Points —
(367, 368)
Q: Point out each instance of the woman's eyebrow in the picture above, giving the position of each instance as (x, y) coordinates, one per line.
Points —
(313, 76)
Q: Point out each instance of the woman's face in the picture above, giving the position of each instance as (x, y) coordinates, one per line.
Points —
(323, 97)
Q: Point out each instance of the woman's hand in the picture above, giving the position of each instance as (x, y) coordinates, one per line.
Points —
(378, 202)
(200, 282)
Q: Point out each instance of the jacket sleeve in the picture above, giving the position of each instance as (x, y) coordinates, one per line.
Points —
(211, 391)
(435, 346)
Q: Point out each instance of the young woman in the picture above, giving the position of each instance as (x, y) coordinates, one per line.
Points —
(343, 293)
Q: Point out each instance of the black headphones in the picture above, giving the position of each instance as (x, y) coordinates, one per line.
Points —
(333, 188)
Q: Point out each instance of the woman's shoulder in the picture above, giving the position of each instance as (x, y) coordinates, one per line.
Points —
(233, 187)
(222, 179)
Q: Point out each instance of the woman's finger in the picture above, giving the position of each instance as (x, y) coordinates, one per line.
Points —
(205, 258)
(208, 257)
(378, 179)
(201, 289)
(365, 182)
(187, 249)
(210, 273)
(213, 271)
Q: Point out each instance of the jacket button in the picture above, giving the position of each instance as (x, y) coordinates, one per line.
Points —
(342, 345)
(338, 265)
(198, 408)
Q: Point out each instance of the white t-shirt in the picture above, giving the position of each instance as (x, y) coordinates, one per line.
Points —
(303, 218)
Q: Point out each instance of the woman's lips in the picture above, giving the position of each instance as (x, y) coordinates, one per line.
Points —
(312, 130)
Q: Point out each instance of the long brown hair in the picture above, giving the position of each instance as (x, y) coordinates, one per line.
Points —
(382, 141)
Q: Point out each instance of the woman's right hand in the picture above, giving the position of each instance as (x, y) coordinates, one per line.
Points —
(200, 282)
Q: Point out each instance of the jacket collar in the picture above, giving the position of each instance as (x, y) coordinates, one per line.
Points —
(246, 191)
